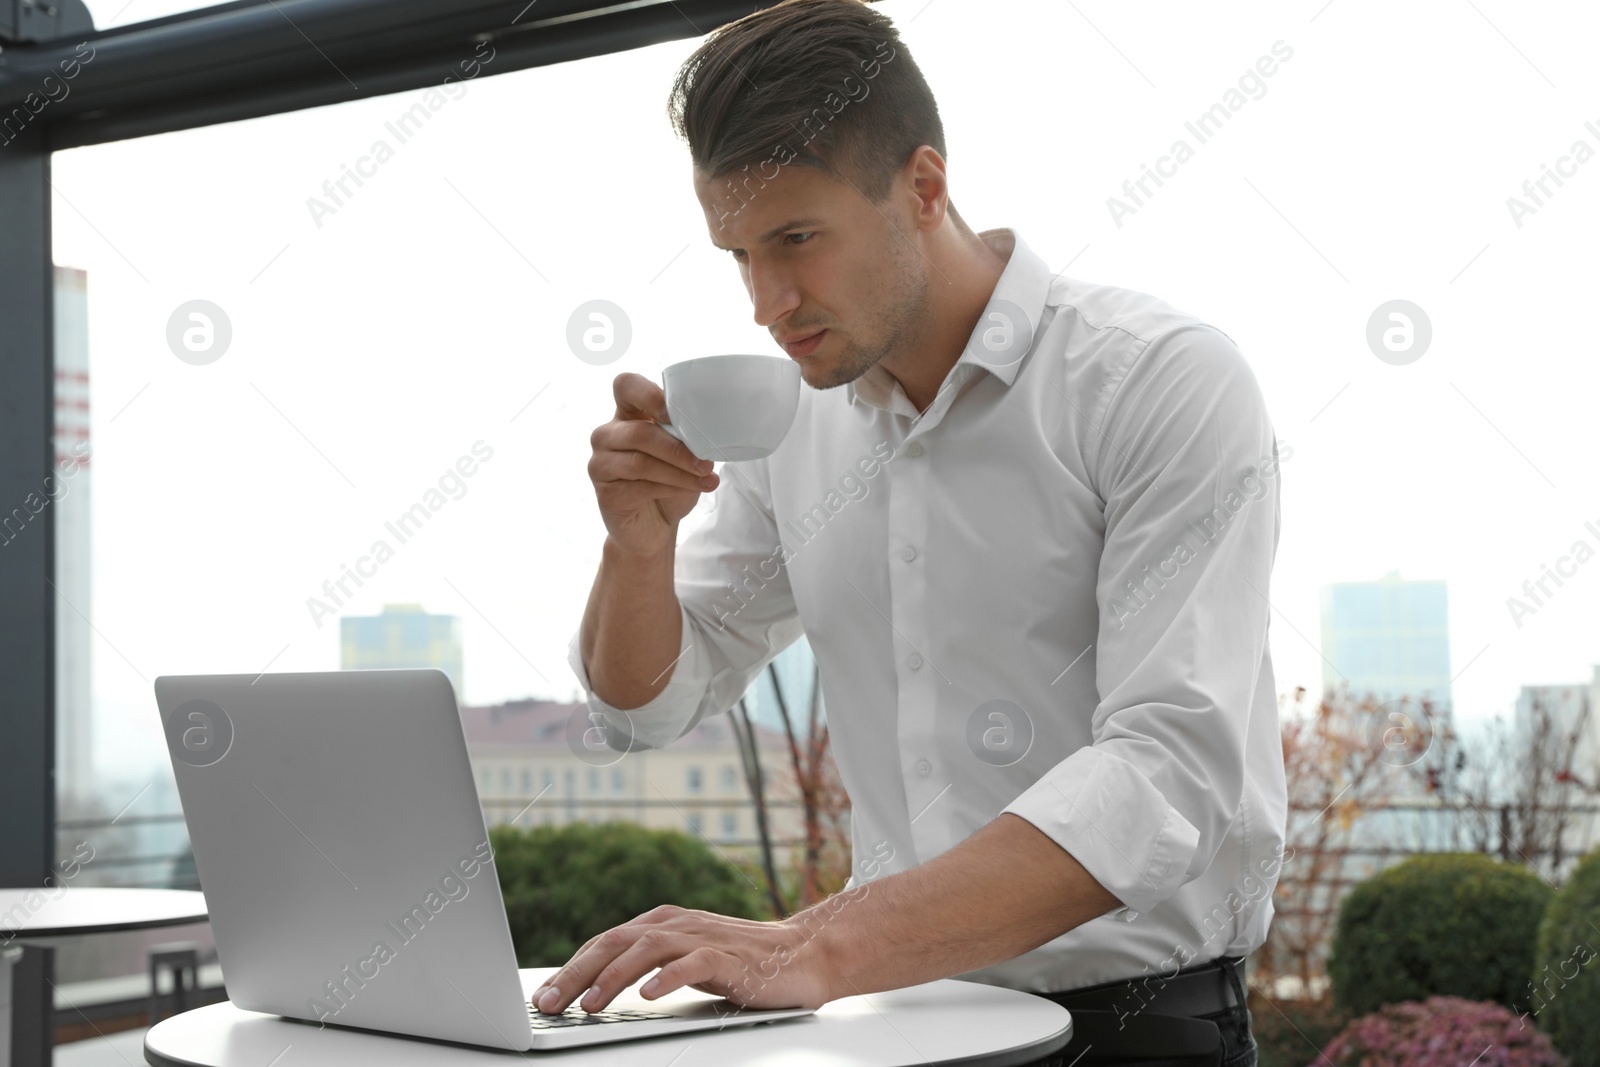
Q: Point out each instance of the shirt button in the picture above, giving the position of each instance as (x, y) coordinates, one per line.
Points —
(908, 553)
(914, 449)
(924, 767)
(915, 661)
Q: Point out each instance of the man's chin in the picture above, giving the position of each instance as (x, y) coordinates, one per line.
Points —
(829, 373)
(817, 376)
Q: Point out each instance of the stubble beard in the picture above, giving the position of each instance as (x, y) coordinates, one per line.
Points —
(893, 327)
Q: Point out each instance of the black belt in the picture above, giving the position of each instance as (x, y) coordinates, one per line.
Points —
(1155, 1018)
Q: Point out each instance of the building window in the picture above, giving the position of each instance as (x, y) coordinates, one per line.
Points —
(694, 823)
(730, 824)
(570, 781)
(483, 778)
(549, 780)
(594, 782)
(694, 779)
(527, 781)
(730, 778)
(617, 781)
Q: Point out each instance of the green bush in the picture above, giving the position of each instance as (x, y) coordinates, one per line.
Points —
(1564, 996)
(564, 884)
(1457, 924)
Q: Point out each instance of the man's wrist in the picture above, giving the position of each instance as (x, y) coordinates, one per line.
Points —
(613, 549)
(824, 936)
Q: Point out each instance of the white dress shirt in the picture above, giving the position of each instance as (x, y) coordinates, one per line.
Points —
(1045, 595)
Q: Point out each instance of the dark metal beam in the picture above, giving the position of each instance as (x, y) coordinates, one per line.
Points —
(248, 59)
(27, 560)
(27, 523)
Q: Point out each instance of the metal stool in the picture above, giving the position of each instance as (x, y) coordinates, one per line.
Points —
(182, 958)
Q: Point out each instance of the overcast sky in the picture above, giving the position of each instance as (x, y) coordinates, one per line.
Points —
(375, 345)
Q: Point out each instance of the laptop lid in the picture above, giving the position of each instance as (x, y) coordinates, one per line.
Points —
(343, 851)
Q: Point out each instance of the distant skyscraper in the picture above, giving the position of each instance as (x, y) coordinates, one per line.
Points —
(68, 494)
(403, 636)
(1389, 638)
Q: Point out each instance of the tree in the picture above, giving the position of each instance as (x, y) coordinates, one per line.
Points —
(825, 806)
(1344, 760)
(744, 733)
(564, 884)
(1524, 791)
(1369, 782)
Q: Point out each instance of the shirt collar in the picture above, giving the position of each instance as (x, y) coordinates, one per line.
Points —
(1005, 331)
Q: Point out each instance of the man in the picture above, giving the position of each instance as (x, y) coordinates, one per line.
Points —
(1029, 541)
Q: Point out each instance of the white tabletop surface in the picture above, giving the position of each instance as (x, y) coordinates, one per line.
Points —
(944, 1022)
(61, 911)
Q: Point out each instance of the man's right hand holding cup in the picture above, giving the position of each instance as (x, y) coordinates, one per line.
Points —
(645, 480)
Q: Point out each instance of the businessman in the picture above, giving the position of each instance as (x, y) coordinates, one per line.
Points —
(1027, 524)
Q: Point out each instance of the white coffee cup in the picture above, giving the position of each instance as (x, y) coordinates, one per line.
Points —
(731, 408)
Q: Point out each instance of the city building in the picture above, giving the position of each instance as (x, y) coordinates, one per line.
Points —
(69, 495)
(1388, 639)
(1570, 711)
(541, 763)
(402, 636)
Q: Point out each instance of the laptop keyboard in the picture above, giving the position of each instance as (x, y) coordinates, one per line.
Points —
(578, 1017)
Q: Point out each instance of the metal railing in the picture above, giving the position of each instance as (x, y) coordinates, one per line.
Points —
(560, 810)
(1454, 823)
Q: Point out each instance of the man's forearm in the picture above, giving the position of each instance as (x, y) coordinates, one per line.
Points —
(632, 627)
(1003, 891)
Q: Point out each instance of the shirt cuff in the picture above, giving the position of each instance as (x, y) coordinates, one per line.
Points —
(667, 716)
(1106, 813)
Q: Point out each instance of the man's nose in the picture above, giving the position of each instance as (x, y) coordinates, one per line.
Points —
(772, 294)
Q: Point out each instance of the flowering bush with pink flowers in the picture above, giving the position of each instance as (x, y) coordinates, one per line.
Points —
(1440, 1032)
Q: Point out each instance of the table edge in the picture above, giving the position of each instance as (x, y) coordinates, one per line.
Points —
(109, 928)
(1011, 1057)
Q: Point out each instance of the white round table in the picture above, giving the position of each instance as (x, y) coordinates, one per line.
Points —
(38, 917)
(34, 914)
(943, 1022)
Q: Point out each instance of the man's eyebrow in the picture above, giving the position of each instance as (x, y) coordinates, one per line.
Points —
(793, 224)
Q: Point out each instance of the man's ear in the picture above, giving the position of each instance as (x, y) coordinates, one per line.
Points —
(924, 175)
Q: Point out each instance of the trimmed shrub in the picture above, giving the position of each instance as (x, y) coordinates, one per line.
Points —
(1439, 1032)
(1456, 924)
(1564, 996)
(564, 884)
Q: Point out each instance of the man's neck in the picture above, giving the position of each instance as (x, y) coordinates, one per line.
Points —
(962, 276)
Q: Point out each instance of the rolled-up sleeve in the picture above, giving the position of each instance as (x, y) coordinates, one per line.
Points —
(738, 614)
(1184, 458)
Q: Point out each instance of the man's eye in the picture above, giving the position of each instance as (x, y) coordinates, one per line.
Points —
(799, 238)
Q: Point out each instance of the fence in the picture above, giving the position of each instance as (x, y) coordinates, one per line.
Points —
(119, 861)
(1315, 877)
(1370, 844)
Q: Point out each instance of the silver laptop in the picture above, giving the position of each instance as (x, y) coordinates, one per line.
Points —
(343, 851)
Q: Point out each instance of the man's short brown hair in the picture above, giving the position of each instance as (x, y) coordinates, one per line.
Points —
(823, 83)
